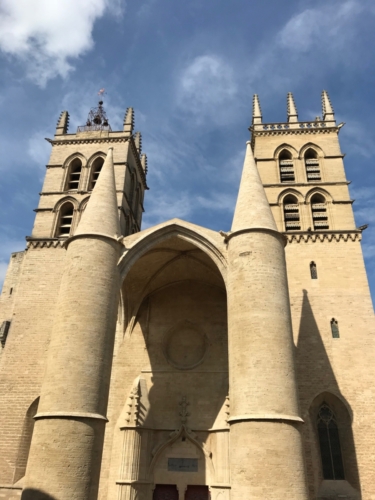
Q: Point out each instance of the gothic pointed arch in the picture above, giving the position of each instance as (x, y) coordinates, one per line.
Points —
(287, 147)
(313, 146)
(290, 191)
(209, 242)
(319, 190)
(65, 210)
(95, 164)
(73, 168)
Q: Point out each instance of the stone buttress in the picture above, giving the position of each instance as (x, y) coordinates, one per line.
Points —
(265, 441)
(65, 454)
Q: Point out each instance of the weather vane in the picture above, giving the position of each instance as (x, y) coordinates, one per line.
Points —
(102, 92)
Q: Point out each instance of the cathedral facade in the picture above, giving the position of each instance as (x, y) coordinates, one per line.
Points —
(181, 363)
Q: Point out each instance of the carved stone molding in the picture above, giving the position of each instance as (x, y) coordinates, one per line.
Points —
(321, 237)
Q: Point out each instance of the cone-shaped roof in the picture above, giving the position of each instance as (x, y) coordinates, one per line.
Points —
(328, 113)
(257, 112)
(101, 213)
(252, 207)
(292, 109)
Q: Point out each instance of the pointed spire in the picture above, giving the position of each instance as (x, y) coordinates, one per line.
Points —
(129, 121)
(257, 112)
(252, 207)
(101, 213)
(328, 113)
(138, 141)
(292, 109)
(62, 123)
(144, 163)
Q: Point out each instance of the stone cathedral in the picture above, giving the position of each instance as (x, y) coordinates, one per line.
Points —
(181, 363)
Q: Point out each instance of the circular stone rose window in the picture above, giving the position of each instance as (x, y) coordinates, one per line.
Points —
(185, 346)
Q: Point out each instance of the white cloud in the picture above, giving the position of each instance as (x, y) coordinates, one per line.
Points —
(206, 88)
(46, 34)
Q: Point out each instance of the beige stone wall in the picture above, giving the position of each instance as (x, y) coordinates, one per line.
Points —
(24, 355)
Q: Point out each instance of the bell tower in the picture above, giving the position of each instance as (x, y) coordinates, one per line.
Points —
(74, 166)
(302, 170)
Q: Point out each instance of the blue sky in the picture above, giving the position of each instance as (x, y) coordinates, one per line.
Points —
(189, 69)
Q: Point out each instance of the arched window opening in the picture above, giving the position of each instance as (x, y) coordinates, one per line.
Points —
(313, 271)
(312, 166)
(286, 166)
(335, 329)
(25, 442)
(95, 171)
(319, 212)
(75, 169)
(291, 213)
(329, 441)
(65, 219)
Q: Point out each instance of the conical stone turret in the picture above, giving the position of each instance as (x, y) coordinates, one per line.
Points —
(265, 443)
(65, 454)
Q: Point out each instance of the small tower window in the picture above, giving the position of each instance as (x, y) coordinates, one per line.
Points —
(65, 220)
(74, 176)
(319, 212)
(313, 271)
(95, 171)
(291, 213)
(329, 440)
(335, 328)
(286, 167)
(312, 166)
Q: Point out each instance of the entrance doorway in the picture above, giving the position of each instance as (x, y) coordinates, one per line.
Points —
(197, 493)
(165, 492)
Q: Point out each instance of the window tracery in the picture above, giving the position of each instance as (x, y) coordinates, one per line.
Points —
(329, 441)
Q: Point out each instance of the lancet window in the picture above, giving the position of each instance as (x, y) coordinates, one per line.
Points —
(312, 166)
(65, 220)
(291, 213)
(329, 441)
(319, 212)
(286, 166)
(313, 271)
(95, 171)
(74, 174)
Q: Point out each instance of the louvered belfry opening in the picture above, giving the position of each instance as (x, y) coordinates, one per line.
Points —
(286, 166)
(95, 171)
(291, 213)
(75, 170)
(329, 441)
(65, 219)
(312, 166)
(319, 212)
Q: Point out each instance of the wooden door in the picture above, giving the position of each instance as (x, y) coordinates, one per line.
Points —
(197, 493)
(165, 492)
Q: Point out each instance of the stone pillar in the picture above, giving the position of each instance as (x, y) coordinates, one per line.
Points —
(266, 455)
(66, 449)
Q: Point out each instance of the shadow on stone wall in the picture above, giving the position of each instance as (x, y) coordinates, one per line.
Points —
(317, 383)
(32, 494)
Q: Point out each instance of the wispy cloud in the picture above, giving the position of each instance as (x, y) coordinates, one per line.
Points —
(206, 86)
(45, 35)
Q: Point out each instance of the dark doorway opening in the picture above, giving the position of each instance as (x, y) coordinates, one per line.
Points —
(165, 492)
(197, 493)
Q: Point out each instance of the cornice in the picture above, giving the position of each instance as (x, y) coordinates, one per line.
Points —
(307, 184)
(44, 242)
(306, 236)
(86, 140)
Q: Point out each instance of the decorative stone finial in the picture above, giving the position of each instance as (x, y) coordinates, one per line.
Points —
(138, 142)
(257, 112)
(144, 163)
(328, 112)
(292, 109)
(62, 123)
(184, 414)
(129, 121)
